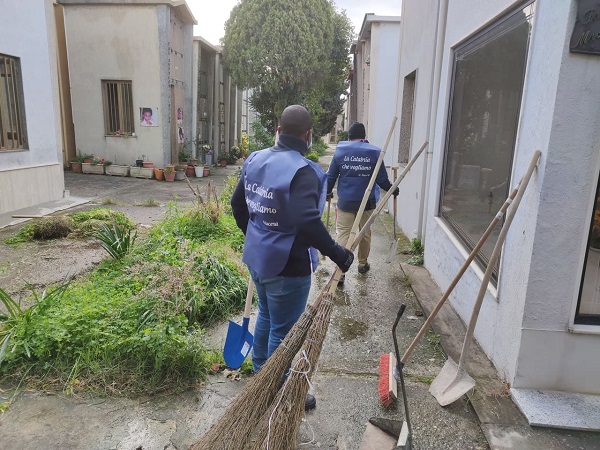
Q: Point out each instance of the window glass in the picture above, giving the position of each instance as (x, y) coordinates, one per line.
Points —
(588, 308)
(118, 108)
(486, 97)
(12, 115)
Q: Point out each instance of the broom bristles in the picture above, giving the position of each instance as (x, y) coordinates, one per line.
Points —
(279, 426)
(233, 428)
(386, 392)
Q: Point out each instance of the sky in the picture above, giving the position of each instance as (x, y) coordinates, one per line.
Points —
(212, 14)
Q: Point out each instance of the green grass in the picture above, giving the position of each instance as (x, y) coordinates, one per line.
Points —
(134, 324)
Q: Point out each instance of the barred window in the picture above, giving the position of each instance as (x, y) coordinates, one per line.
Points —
(118, 107)
(12, 115)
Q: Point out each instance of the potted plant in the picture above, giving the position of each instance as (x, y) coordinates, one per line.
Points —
(87, 158)
(75, 164)
(223, 157)
(96, 166)
(199, 171)
(206, 170)
(184, 156)
(158, 173)
(207, 152)
(169, 173)
(144, 171)
(233, 155)
(189, 170)
(118, 170)
(179, 172)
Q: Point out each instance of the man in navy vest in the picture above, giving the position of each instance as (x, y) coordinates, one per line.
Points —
(352, 165)
(278, 204)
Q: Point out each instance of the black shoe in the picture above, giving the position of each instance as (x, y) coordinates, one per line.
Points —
(363, 268)
(310, 402)
(342, 279)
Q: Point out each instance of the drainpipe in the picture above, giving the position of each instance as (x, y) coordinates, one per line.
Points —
(215, 106)
(440, 34)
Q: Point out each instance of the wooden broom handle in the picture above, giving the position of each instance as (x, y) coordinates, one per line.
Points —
(335, 278)
(494, 258)
(470, 259)
(249, 296)
(367, 193)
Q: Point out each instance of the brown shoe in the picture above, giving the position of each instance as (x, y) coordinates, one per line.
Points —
(363, 268)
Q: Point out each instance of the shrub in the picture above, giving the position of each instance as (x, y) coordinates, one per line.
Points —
(312, 156)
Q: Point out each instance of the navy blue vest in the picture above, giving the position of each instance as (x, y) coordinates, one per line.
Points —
(267, 175)
(356, 161)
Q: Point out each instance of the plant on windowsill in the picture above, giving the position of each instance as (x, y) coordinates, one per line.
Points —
(122, 134)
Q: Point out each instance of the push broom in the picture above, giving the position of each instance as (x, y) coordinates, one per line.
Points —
(279, 426)
(240, 418)
(387, 393)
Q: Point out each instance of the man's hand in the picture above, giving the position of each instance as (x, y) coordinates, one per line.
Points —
(329, 196)
(396, 192)
(343, 258)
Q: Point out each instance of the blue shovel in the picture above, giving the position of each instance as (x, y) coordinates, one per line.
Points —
(238, 342)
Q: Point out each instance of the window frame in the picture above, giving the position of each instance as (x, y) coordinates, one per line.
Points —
(125, 118)
(465, 47)
(578, 319)
(18, 106)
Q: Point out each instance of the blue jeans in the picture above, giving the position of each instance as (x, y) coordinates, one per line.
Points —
(281, 302)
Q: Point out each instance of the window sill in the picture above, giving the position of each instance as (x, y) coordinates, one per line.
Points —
(584, 329)
(120, 137)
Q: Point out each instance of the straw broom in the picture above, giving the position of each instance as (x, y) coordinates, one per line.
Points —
(240, 418)
(278, 428)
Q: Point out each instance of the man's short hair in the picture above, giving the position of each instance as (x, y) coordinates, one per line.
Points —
(356, 131)
(295, 121)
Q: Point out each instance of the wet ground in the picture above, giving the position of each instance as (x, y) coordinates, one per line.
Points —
(345, 384)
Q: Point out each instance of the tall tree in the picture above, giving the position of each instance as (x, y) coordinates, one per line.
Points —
(281, 48)
(326, 101)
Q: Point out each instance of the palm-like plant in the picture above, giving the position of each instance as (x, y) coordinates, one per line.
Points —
(116, 240)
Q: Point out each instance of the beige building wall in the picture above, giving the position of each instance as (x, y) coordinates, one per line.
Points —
(107, 42)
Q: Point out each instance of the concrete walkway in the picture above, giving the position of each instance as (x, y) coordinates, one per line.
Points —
(345, 384)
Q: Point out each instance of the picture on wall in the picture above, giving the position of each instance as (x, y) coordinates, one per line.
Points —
(180, 138)
(148, 117)
(179, 116)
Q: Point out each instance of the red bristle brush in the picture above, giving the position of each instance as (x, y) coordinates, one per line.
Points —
(388, 388)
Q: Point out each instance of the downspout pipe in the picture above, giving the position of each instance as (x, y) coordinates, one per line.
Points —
(440, 36)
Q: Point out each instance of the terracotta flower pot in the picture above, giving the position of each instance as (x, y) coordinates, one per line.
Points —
(158, 174)
(222, 163)
(148, 164)
(76, 166)
(206, 171)
(169, 176)
(190, 172)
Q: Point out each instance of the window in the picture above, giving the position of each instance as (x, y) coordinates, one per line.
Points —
(12, 115)
(588, 307)
(118, 107)
(408, 102)
(483, 118)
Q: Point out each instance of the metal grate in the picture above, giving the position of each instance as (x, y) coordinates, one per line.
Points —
(118, 107)
(12, 117)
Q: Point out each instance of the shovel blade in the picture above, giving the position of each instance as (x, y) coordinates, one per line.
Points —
(238, 343)
(451, 384)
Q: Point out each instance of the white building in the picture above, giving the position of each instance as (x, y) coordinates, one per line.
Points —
(375, 59)
(127, 59)
(488, 83)
(31, 169)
